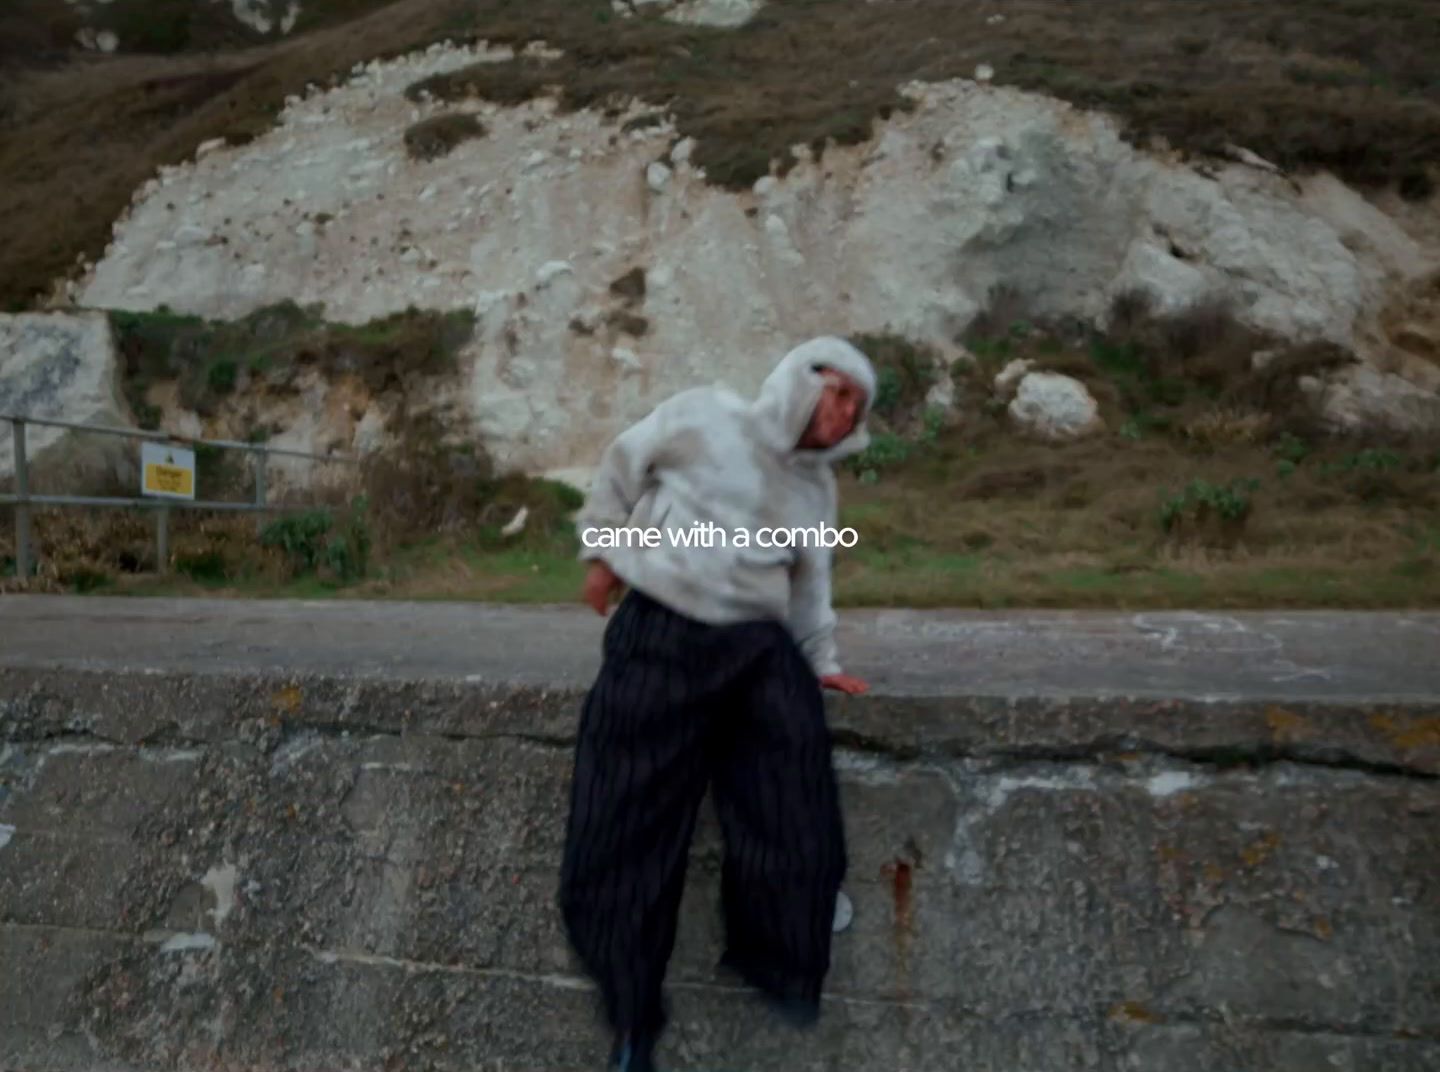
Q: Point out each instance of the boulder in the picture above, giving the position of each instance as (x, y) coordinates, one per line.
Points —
(1362, 398)
(1055, 407)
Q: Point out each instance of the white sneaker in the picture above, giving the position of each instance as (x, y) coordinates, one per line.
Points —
(844, 912)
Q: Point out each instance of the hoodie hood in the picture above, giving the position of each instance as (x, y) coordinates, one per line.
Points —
(789, 394)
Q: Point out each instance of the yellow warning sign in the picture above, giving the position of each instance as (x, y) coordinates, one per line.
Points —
(167, 471)
(169, 480)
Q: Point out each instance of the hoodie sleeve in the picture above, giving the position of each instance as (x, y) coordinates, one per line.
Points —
(812, 619)
(624, 472)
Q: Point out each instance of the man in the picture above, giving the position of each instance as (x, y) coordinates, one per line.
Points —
(712, 675)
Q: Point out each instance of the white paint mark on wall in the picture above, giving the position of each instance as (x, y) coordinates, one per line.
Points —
(80, 749)
(1289, 671)
(6, 833)
(863, 768)
(1167, 635)
(220, 881)
(1168, 783)
(182, 943)
(292, 751)
(980, 801)
(1211, 633)
(177, 755)
(1000, 790)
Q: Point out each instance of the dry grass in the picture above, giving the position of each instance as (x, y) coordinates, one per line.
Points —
(1223, 427)
(82, 551)
(1349, 85)
(976, 518)
(1002, 522)
(355, 527)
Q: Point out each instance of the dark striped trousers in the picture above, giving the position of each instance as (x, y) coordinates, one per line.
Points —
(680, 706)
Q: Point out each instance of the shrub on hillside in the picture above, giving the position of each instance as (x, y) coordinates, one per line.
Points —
(1209, 512)
(432, 138)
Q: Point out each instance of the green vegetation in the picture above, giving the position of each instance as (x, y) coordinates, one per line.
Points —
(1371, 461)
(1202, 504)
(311, 542)
(900, 422)
(208, 359)
(904, 372)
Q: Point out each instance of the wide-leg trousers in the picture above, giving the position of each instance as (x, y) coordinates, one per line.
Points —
(680, 706)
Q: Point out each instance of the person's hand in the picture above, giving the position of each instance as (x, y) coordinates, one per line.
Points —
(851, 686)
(600, 583)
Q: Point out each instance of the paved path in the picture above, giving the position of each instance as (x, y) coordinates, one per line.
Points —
(1282, 656)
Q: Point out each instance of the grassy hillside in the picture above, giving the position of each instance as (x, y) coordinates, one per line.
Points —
(1350, 85)
(1212, 485)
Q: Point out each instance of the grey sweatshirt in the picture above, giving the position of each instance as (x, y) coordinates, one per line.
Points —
(709, 455)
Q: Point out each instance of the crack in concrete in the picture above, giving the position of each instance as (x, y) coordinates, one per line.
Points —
(1240, 756)
(1246, 757)
(1287, 1025)
(1236, 757)
(361, 731)
(25, 714)
(178, 747)
(569, 982)
(863, 751)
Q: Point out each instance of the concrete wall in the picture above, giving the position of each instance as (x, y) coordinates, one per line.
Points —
(230, 871)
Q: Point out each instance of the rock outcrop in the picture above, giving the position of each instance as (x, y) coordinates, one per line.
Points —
(975, 187)
(1362, 398)
(63, 367)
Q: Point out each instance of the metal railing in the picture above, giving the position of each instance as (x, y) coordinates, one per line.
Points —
(24, 502)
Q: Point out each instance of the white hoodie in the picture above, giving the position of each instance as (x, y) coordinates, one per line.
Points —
(708, 455)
